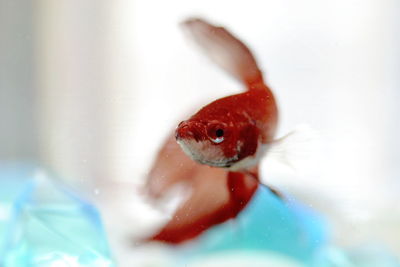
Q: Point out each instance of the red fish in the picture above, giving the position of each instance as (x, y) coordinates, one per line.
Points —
(231, 133)
(235, 131)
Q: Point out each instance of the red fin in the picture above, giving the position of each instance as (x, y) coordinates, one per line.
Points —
(226, 51)
(216, 195)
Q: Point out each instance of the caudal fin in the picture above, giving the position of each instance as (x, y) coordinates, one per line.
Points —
(225, 50)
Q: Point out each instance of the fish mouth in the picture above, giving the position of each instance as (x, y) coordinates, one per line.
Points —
(189, 130)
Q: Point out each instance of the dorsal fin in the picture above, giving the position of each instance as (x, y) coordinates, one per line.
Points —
(225, 50)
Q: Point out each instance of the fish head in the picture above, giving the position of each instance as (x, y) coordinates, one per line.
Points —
(217, 142)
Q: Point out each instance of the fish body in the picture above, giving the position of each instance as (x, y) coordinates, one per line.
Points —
(235, 131)
(231, 134)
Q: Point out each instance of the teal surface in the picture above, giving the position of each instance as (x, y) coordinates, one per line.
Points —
(48, 225)
(271, 224)
(44, 224)
(284, 231)
(13, 179)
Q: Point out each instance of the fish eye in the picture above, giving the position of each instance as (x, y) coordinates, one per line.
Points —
(219, 133)
(217, 136)
(216, 132)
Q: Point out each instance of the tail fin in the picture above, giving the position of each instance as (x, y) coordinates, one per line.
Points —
(225, 50)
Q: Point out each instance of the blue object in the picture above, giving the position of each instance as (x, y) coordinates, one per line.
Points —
(271, 224)
(13, 178)
(44, 224)
(48, 225)
(279, 232)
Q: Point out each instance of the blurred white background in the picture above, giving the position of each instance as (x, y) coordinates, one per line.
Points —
(91, 88)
